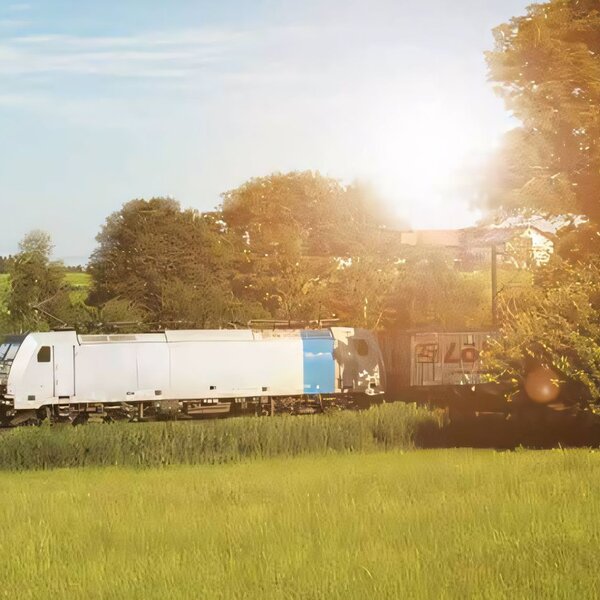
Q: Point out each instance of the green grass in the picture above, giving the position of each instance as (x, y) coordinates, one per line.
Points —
(385, 427)
(78, 282)
(424, 524)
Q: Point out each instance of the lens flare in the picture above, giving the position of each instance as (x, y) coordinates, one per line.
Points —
(542, 385)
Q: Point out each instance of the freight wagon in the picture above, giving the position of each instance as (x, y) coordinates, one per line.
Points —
(441, 369)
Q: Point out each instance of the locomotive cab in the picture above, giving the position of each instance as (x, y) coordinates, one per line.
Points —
(9, 346)
(358, 360)
(41, 370)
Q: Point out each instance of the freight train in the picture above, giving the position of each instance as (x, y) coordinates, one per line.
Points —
(63, 376)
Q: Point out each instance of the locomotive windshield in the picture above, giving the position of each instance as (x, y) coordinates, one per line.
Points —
(9, 346)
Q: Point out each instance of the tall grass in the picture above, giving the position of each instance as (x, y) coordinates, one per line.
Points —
(217, 441)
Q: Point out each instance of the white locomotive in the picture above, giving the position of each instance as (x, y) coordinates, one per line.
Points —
(63, 375)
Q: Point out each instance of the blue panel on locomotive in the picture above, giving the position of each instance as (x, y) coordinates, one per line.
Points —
(319, 364)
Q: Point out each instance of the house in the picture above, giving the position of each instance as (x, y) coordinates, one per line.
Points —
(521, 246)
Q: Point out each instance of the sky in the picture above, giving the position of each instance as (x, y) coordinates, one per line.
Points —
(102, 102)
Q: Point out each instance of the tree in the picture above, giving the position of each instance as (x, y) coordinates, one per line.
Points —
(560, 328)
(546, 66)
(365, 291)
(171, 264)
(5, 262)
(289, 230)
(36, 294)
(116, 315)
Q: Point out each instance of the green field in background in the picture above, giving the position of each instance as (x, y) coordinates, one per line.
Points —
(78, 279)
(420, 524)
(79, 283)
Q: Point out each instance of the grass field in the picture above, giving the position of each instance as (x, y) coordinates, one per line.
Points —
(74, 279)
(78, 282)
(422, 524)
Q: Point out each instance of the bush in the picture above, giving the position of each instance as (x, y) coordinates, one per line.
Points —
(559, 327)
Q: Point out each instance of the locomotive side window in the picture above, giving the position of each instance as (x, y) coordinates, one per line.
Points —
(44, 354)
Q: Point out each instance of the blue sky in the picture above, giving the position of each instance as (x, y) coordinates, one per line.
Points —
(101, 102)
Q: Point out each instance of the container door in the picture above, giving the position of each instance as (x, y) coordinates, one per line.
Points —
(64, 370)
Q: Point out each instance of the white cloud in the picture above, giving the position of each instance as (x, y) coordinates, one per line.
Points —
(159, 55)
(19, 7)
(20, 100)
(13, 24)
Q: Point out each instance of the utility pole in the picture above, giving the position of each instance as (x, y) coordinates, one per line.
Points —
(494, 285)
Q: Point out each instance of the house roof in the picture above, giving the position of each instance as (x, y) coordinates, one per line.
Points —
(496, 236)
(449, 238)
(470, 236)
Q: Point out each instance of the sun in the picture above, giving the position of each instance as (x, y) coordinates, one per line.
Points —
(422, 163)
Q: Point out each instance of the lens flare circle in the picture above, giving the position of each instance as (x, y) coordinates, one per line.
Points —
(542, 385)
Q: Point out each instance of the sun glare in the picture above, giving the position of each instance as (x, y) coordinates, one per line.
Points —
(422, 163)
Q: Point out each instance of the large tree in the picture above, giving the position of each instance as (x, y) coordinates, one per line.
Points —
(290, 231)
(304, 212)
(546, 66)
(169, 263)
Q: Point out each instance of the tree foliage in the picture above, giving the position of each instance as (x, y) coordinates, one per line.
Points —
(36, 296)
(410, 288)
(303, 213)
(5, 262)
(560, 328)
(546, 66)
(290, 230)
(170, 264)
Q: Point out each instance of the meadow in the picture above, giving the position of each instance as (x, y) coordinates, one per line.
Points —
(78, 283)
(419, 524)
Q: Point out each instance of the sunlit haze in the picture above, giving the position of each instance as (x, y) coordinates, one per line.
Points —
(103, 102)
